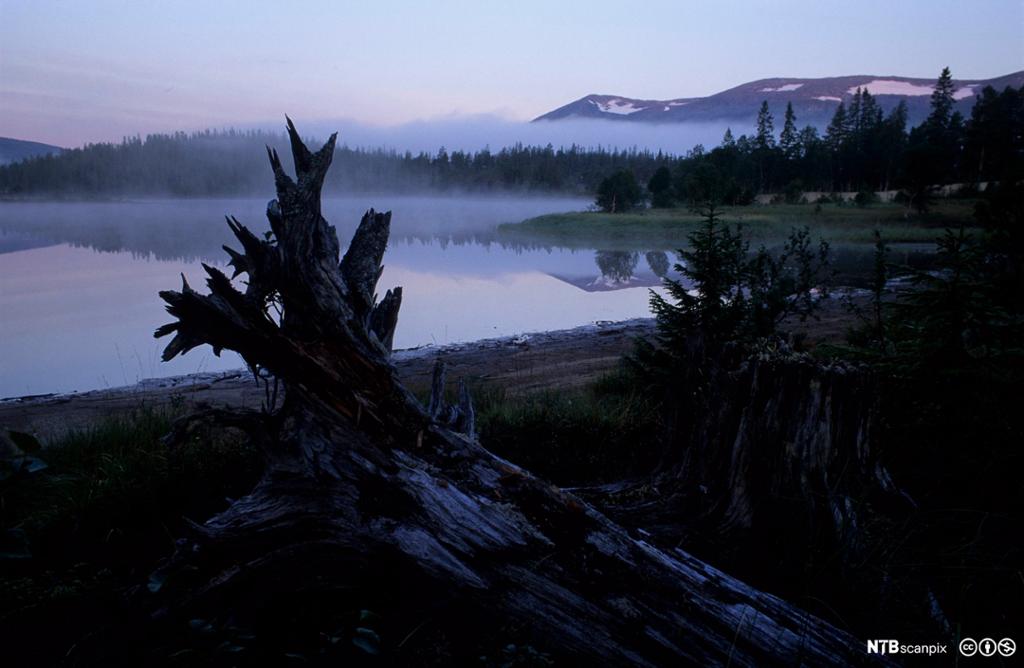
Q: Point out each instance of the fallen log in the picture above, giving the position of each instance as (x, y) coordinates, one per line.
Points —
(366, 490)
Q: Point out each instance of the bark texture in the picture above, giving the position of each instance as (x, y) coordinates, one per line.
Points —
(776, 434)
(363, 484)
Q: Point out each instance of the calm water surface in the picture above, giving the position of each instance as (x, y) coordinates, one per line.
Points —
(79, 281)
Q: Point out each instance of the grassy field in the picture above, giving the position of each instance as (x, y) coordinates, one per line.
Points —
(666, 228)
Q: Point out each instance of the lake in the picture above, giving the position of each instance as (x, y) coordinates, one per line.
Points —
(79, 281)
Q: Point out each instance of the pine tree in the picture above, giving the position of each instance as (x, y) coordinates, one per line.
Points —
(727, 139)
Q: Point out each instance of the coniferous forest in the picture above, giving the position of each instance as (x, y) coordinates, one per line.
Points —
(862, 149)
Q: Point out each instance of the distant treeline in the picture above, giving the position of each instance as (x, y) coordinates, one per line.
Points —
(860, 150)
(231, 162)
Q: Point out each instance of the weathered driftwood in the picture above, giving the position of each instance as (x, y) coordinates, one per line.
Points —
(363, 483)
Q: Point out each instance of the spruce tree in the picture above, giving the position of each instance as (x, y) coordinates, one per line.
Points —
(870, 112)
(941, 103)
(894, 141)
(852, 118)
(934, 146)
(836, 138)
(711, 303)
(835, 134)
(789, 140)
(765, 137)
(764, 146)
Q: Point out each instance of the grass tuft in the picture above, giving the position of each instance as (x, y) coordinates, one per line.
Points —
(596, 434)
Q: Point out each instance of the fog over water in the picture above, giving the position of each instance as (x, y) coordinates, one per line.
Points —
(79, 281)
(473, 133)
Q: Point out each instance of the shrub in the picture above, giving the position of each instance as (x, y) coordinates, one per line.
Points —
(793, 193)
(865, 198)
(619, 193)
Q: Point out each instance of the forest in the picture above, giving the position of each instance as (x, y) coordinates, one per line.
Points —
(860, 150)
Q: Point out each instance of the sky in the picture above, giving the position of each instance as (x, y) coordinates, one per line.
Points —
(78, 71)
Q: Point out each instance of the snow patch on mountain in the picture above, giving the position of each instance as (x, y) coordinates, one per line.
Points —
(890, 87)
(812, 100)
(966, 91)
(785, 88)
(617, 106)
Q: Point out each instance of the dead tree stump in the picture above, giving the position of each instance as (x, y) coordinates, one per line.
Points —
(366, 490)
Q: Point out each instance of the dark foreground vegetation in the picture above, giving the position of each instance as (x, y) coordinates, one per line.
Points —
(873, 484)
(83, 533)
(878, 481)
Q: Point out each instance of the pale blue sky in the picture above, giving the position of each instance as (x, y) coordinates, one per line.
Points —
(77, 71)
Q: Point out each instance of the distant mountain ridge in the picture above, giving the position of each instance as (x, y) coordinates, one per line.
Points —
(814, 100)
(16, 150)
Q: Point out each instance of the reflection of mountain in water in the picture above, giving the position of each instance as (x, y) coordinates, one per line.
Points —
(604, 283)
(618, 270)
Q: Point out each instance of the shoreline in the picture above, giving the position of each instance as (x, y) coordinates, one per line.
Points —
(545, 360)
(761, 223)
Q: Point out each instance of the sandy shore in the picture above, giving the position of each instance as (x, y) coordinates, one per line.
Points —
(560, 359)
(530, 362)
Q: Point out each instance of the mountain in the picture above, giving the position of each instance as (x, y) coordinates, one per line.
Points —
(16, 150)
(814, 100)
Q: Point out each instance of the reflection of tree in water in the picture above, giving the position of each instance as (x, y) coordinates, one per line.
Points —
(658, 262)
(617, 265)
